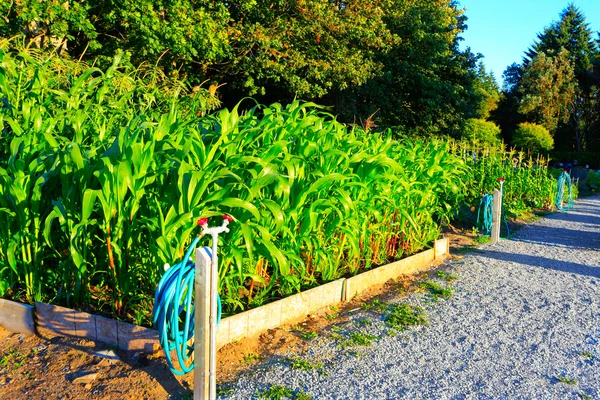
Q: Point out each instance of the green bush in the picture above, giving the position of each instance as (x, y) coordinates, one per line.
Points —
(479, 131)
(533, 137)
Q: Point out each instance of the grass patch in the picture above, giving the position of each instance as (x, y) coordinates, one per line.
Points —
(482, 240)
(375, 305)
(275, 392)
(567, 380)
(447, 276)
(12, 359)
(436, 290)
(357, 339)
(401, 316)
(224, 391)
(305, 365)
(363, 322)
(308, 335)
(278, 392)
(251, 357)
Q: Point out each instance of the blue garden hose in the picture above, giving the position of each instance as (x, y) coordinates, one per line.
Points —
(174, 311)
(485, 215)
(564, 179)
(485, 210)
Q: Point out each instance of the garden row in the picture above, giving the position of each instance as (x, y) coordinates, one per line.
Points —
(103, 175)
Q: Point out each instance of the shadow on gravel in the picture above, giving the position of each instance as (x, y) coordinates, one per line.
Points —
(543, 262)
(563, 237)
(592, 219)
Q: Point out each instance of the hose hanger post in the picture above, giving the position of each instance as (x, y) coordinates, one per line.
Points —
(205, 340)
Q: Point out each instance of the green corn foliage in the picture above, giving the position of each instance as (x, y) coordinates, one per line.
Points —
(104, 174)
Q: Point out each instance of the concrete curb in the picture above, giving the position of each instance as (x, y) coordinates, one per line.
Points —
(411, 265)
(19, 317)
(68, 322)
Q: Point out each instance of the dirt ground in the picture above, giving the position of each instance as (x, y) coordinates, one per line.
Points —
(56, 367)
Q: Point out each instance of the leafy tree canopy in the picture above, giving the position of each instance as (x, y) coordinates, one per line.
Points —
(533, 137)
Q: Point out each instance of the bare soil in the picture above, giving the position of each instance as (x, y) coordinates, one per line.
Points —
(57, 367)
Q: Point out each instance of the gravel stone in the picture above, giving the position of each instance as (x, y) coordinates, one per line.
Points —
(523, 323)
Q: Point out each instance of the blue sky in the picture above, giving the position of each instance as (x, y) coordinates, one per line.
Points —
(502, 30)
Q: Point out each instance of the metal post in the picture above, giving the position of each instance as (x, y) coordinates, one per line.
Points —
(496, 216)
(202, 348)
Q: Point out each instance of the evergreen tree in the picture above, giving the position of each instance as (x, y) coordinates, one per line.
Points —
(548, 89)
(571, 32)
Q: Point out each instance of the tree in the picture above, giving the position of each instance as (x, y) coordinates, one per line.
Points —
(548, 89)
(479, 131)
(426, 82)
(507, 116)
(571, 32)
(396, 56)
(533, 137)
(488, 90)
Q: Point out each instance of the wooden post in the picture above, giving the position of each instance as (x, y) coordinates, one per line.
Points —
(496, 216)
(202, 348)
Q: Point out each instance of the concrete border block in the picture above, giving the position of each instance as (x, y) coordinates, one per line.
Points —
(325, 295)
(223, 333)
(136, 338)
(55, 318)
(238, 326)
(17, 317)
(265, 317)
(85, 325)
(441, 247)
(106, 331)
(378, 276)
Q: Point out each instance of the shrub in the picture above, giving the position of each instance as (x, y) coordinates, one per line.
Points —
(479, 131)
(533, 137)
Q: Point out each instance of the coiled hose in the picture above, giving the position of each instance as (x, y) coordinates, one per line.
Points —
(485, 215)
(564, 180)
(174, 311)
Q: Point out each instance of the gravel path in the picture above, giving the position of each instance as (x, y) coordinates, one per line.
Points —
(523, 323)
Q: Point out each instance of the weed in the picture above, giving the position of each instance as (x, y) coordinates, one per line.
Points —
(13, 358)
(337, 336)
(251, 357)
(299, 328)
(308, 335)
(568, 381)
(586, 354)
(376, 305)
(336, 329)
(401, 316)
(357, 339)
(391, 333)
(482, 240)
(363, 322)
(331, 317)
(305, 365)
(584, 396)
(224, 391)
(447, 276)
(276, 392)
(435, 290)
